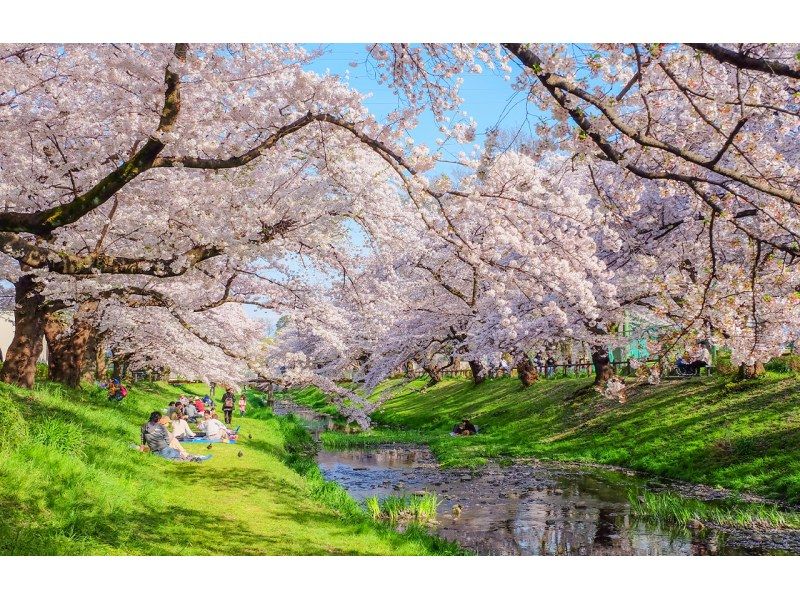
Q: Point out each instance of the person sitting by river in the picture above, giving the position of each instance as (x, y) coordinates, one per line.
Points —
(464, 428)
(213, 428)
(181, 429)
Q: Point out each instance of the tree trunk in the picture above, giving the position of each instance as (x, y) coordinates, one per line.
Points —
(747, 372)
(526, 371)
(100, 364)
(478, 373)
(69, 348)
(602, 365)
(55, 331)
(19, 368)
(119, 367)
(434, 372)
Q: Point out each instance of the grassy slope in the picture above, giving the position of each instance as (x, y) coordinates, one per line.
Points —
(70, 484)
(743, 436)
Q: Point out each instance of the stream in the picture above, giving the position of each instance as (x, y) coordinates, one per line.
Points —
(534, 508)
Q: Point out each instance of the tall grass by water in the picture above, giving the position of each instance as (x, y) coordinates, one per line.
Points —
(420, 508)
(670, 508)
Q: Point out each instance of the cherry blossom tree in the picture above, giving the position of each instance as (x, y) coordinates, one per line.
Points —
(692, 148)
(152, 160)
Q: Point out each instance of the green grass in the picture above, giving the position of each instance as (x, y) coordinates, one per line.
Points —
(71, 484)
(739, 435)
(667, 507)
(419, 508)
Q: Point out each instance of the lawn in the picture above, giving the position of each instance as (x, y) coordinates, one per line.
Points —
(71, 484)
(739, 435)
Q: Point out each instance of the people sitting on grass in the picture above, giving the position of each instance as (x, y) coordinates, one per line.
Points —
(700, 358)
(181, 429)
(464, 428)
(116, 391)
(170, 409)
(213, 428)
(208, 402)
(199, 405)
(158, 440)
(191, 412)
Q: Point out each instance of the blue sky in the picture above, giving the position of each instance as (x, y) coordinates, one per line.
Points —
(488, 97)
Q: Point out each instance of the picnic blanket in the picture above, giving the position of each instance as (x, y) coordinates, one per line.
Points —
(204, 439)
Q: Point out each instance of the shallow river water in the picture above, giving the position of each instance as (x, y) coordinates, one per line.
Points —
(533, 508)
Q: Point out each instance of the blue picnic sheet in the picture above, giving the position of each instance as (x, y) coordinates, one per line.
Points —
(204, 439)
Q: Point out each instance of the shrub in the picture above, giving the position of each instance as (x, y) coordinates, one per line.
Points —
(724, 365)
(784, 364)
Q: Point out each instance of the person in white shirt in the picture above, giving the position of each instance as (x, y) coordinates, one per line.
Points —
(214, 429)
(181, 429)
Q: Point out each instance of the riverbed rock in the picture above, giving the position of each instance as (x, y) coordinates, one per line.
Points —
(558, 491)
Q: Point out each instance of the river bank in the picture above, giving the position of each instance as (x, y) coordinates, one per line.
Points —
(743, 437)
(534, 507)
(70, 484)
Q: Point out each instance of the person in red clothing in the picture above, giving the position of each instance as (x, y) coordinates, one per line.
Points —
(201, 408)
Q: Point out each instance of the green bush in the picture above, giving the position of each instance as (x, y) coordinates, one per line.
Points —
(724, 365)
(784, 364)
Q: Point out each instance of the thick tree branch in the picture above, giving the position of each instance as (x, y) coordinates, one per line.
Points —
(743, 61)
(33, 256)
(45, 221)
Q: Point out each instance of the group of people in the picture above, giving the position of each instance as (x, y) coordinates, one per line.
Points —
(158, 439)
(464, 428)
(691, 361)
(116, 390)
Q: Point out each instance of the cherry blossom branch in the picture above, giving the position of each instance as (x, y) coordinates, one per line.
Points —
(743, 61)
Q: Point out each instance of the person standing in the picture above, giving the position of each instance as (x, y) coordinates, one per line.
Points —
(551, 366)
(227, 405)
(242, 404)
(538, 362)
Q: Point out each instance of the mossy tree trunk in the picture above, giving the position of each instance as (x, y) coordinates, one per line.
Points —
(434, 372)
(19, 368)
